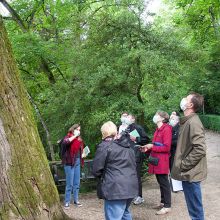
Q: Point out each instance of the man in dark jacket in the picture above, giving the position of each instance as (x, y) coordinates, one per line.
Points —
(142, 139)
(115, 162)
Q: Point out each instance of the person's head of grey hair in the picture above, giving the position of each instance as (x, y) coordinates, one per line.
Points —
(197, 101)
(108, 129)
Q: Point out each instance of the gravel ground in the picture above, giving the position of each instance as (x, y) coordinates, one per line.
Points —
(92, 208)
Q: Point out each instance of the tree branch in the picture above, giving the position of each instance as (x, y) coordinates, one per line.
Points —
(32, 77)
(97, 9)
(14, 15)
(7, 18)
(59, 70)
(46, 69)
(30, 18)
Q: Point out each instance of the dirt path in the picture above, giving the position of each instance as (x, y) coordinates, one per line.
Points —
(92, 208)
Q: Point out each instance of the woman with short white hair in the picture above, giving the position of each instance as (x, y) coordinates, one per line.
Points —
(115, 165)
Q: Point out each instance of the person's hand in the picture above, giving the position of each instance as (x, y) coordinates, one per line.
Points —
(149, 146)
(143, 149)
(72, 138)
(146, 147)
(132, 138)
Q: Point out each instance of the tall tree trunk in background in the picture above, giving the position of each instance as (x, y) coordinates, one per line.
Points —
(215, 22)
(140, 74)
(139, 87)
(27, 190)
(51, 148)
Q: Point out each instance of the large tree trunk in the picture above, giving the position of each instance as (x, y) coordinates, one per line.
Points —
(27, 190)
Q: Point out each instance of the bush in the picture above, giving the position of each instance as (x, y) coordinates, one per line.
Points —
(211, 122)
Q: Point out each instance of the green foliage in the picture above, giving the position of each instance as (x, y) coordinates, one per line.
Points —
(202, 16)
(201, 19)
(211, 122)
(88, 61)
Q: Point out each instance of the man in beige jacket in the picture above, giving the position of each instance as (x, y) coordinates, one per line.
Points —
(190, 164)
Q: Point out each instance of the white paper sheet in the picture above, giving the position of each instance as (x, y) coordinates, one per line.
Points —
(86, 151)
(176, 185)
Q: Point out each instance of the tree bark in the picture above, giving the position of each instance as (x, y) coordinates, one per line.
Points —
(27, 190)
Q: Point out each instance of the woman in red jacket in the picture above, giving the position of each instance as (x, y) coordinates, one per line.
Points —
(160, 148)
(72, 159)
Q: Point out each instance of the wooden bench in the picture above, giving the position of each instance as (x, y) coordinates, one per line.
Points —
(58, 173)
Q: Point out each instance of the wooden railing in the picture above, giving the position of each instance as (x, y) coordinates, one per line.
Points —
(57, 171)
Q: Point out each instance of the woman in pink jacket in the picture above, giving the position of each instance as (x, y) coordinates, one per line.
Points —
(159, 158)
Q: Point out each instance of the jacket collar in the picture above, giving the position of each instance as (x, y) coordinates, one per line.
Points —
(124, 141)
(186, 118)
(109, 138)
(162, 127)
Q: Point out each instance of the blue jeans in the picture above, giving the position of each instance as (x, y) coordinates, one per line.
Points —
(72, 181)
(193, 196)
(117, 209)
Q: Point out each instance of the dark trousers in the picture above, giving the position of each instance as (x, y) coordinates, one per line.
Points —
(138, 168)
(171, 159)
(165, 190)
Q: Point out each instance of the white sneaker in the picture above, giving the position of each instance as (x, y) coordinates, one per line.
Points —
(78, 204)
(138, 200)
(67, 206)
(163, 211)
(135, 199)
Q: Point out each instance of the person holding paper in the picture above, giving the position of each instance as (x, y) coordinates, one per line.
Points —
(138, 136)
(160, 152)
(72, 159)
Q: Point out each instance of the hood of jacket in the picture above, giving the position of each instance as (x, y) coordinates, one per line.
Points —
(105, 142)
(124, 141)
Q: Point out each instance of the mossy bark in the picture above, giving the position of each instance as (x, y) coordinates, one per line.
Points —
(27, 190)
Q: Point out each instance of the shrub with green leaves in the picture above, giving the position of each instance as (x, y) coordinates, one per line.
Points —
(211, 122)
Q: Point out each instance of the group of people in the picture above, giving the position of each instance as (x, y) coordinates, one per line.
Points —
(177, 149)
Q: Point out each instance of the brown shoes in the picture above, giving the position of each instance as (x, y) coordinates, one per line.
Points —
(163, 211)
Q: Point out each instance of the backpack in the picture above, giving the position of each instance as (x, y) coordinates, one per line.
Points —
(63, 147)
